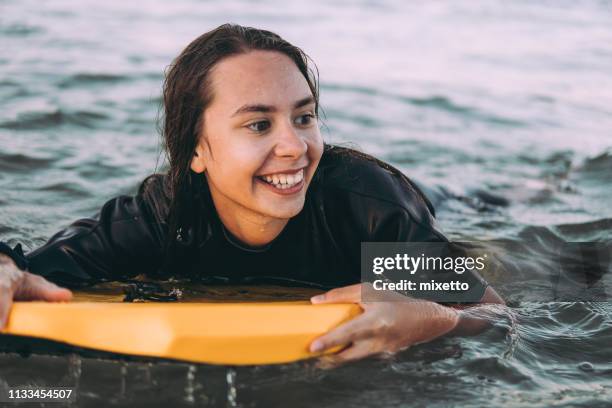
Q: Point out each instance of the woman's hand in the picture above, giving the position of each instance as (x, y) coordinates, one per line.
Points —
(19, 285)
(387, 325)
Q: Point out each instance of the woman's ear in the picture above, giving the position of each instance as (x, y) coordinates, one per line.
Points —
(198, 165)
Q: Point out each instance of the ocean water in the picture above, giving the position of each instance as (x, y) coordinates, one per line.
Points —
(483, 102)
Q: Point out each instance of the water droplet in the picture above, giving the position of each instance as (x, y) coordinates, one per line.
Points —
(231, 388)
(123, 372)
(189, 386)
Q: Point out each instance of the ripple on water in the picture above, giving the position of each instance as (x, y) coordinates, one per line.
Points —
(438, 102)
(91, 79)
(51, 119)
(67, 190)
(11, 90)
(20, 163)
(576, 231)
(20, 29)
(98, 170)
(560, 332)
(599, 167)
(500, 369)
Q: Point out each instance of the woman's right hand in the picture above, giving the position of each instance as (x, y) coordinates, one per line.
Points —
(16, 284)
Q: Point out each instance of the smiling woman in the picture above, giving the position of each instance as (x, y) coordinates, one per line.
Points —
(252, 195)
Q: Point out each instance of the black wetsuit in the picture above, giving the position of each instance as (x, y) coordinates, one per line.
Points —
(351, 199)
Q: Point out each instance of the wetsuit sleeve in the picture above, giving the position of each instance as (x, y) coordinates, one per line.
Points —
(124, 240)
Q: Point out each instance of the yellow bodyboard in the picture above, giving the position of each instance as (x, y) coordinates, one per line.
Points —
(216, 333)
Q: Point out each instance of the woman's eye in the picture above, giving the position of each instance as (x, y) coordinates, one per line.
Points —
(260, 126)
(305, 120)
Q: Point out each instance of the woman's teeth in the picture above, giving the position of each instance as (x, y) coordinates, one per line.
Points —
(284, 181)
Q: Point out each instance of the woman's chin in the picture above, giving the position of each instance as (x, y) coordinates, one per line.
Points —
(283, 210)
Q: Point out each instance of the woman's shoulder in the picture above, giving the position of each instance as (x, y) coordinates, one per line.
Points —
(352, 175)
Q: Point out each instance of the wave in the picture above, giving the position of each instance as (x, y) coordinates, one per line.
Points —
(84, 79)
(600, 165)
(58, 117)
(21, 162)
(597, 230)
(19, 30)
(67, 189)
(438, 102)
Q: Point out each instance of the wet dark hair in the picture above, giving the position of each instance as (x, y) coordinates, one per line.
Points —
(186, 94)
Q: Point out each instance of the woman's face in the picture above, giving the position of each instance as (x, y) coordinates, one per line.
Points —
(260, 142)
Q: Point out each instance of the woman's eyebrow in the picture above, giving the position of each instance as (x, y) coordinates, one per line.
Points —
(268, 108)
(303, 102)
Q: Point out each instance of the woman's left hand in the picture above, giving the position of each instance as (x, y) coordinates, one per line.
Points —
(390, 323)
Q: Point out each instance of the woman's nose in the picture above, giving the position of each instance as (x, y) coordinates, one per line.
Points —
(289, 143)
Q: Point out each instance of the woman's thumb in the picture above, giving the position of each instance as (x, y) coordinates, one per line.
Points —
(34, 287)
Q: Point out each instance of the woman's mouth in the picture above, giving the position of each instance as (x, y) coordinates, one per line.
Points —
(284, 183)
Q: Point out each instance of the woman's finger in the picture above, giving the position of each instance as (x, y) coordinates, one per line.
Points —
(34, 287)
(355, 329)
(346, 294)
(360, 349)
(6, 301)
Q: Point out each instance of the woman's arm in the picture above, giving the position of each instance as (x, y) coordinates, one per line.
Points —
(124, 240)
